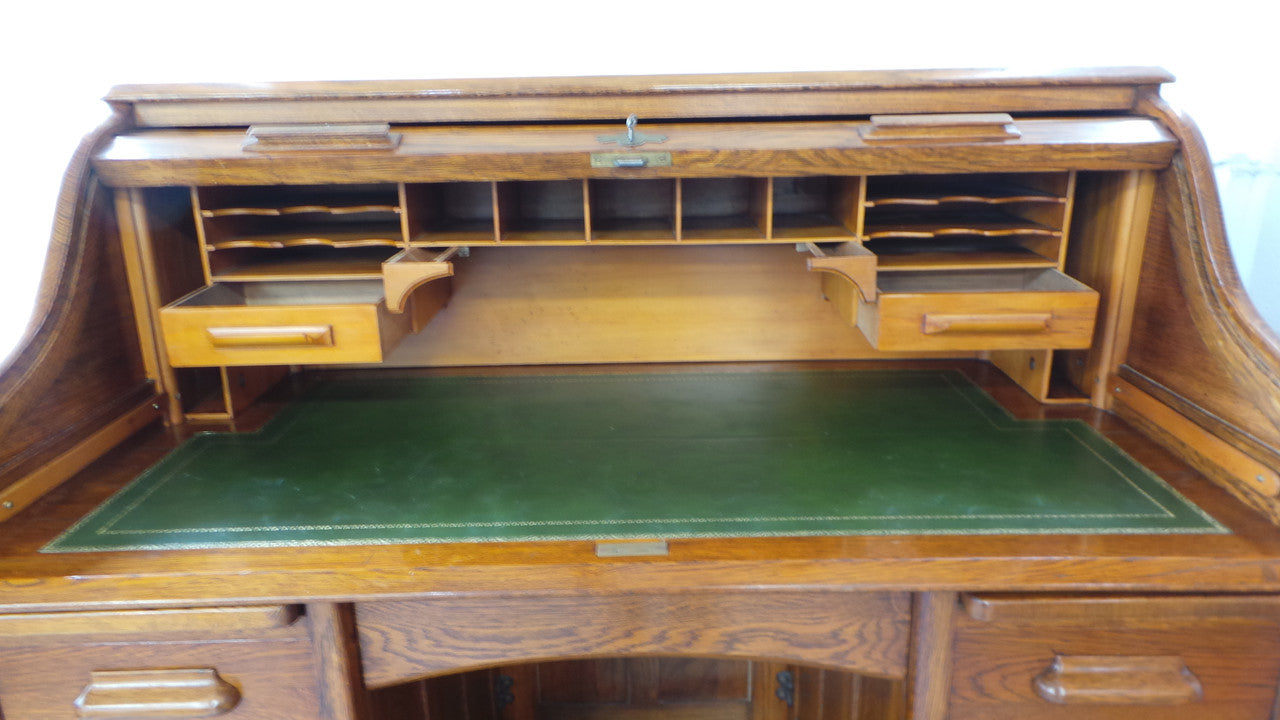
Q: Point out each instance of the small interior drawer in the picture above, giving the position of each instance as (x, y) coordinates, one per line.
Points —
(282, 323)
(1020, 309)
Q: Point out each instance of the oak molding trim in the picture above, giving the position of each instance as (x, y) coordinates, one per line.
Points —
(692, 83)
(654, 96)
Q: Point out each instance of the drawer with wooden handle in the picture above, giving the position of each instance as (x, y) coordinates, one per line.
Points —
(305, 322)
(1130, 657)
(1022, 309)
(237, 663)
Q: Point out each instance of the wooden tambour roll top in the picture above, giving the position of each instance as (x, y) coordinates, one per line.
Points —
(1064, 226)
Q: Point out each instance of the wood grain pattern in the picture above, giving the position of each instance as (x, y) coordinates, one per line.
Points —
(340, 689)
(1249, 479)
(1022, 608)
(930, 658)
(132, 223)
(25, 489)
(651, 304)
(1108, 230)
(1218, 372)
(1229, 359)
(1168, 349)
(253, 621)
(1219, 304)
(766, 702)
(402, 640)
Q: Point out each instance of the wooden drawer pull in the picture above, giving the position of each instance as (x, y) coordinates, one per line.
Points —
(1118, 680)
(244, 337)
(177, 693)
(936, 323)
(320, 136)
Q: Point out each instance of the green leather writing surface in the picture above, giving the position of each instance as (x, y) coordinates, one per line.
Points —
(458, 459)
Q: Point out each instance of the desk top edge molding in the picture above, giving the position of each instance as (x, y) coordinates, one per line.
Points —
(655, 96)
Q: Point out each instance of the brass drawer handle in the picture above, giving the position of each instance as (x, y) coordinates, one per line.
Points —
(177, 693)
(246, 337)
(1118, 680)
(937, 323)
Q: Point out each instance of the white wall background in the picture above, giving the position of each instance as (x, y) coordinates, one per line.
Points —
(58, 58)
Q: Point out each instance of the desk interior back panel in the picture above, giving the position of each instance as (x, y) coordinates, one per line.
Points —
(676, 455)
(562, 305)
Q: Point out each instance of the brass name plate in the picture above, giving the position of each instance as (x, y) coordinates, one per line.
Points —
(630, 159)
(638, 548)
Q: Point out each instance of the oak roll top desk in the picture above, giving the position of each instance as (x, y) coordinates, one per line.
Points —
(219, 250)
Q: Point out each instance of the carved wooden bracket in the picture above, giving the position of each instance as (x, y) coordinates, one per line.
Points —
(1118, 680)
(851, 261)
(411, 269)
(175, 693)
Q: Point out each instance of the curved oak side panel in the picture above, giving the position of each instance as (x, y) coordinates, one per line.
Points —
(77, 368)
(412, 639)
(1199, 346)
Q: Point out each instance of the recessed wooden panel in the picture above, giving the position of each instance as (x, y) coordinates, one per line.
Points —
(583, 681)
(702, 679)
(629, 304)
(404, 640)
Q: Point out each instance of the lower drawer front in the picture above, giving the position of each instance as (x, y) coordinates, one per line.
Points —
(243, 679)
(1092, 658)
(289, 323)
(242, 662)
(994, 310)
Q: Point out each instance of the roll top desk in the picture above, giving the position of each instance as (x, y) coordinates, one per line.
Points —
(1054, 238)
